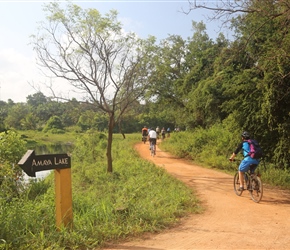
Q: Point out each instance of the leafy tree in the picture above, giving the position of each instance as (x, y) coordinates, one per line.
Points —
(30, 122)
(45, 111)
(36, 99)
(12, 148)
(256, 71)
(167, 90)
(184, 77)
(72, 111)
(205, 93)
(96, 57)
(3, 115)
(16, 113)
(54, 125)
(87, 120)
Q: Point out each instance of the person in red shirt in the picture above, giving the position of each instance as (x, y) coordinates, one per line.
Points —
(144, 134)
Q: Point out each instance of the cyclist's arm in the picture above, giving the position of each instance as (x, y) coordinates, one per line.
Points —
(238, 149)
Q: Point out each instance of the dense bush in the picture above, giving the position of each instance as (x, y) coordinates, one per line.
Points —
(54, 125)
(12, 148)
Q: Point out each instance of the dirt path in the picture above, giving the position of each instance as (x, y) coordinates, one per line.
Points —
(228, 222)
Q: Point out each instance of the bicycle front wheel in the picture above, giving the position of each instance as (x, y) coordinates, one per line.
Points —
(256, 191)
(237, 184)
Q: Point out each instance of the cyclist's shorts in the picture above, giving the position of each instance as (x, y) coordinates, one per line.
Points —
(245, 165)
(153, 141)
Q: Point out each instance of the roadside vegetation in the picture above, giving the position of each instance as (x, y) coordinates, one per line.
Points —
(137, 197)
(213, 147)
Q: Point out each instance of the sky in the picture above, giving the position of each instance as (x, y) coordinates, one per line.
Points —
(19, 73)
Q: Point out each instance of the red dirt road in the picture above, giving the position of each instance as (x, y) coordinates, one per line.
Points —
(228, 221)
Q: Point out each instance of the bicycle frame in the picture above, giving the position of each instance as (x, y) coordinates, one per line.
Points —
(253, 183)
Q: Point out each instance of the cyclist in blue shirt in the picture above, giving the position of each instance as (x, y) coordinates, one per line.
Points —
(247, 161)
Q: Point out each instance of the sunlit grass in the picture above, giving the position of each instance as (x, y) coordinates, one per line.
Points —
(137, 197)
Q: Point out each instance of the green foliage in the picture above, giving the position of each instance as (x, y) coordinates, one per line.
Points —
(36, 99)
(54, 125)
(205, 146)
(16, 113)
(12, 148)
(91, 120)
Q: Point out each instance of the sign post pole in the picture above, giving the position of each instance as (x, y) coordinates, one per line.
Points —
(63, 197)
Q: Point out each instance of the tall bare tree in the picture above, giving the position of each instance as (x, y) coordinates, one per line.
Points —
(96, 57)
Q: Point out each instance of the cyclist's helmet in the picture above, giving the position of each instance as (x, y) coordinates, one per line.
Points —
(246, 135)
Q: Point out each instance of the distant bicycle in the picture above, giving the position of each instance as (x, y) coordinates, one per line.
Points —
(144, 138)
(253, 183)
(152, 148)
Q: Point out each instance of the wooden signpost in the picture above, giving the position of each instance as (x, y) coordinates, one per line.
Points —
(61, 163)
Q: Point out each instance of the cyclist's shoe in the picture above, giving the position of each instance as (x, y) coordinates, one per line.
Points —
(241, 189)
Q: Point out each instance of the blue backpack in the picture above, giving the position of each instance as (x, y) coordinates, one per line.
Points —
(256, 151)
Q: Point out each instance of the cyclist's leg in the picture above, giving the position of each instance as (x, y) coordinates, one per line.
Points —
(154, 145)
(243, 167)
(152, 149)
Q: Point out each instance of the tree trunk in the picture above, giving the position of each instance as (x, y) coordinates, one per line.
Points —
(120, 129)
(109, 146)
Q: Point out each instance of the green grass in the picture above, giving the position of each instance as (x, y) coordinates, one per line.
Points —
(137, 197)
(36, 138)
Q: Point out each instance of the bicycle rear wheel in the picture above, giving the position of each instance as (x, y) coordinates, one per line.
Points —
(237, 184)
(256, 191)
(152, 149)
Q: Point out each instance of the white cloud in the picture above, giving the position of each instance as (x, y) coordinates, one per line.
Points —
(21, 77)
(16, 70)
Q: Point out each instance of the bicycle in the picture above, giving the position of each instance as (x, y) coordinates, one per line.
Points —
(253, 183)
(152, 149)
(144, 138)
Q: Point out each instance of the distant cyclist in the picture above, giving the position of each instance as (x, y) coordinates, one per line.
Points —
(152, 138)
(144, 131)
(144, 134)
(163, 132)
(247, 161)
(168, 132)
(157, 131)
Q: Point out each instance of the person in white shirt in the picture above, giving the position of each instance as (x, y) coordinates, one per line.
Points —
(152, 138)
(157, 131)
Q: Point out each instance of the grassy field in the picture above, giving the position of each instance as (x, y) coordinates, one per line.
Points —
(137, 197)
